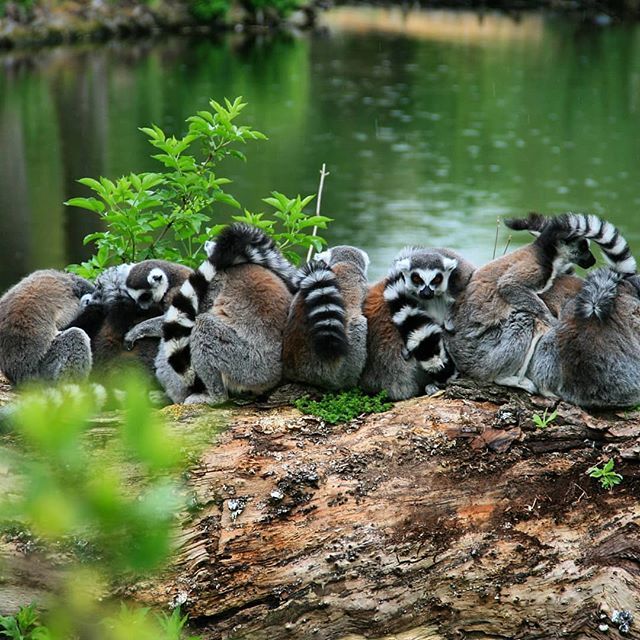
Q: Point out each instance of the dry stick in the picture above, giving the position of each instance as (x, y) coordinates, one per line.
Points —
(495, 242)
(506, 246)
(323, 174)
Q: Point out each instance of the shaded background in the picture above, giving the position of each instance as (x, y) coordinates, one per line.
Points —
(432, 124)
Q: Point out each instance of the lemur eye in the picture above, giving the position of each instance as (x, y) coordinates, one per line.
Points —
(437, 279)
(416, 279)
(144, 297)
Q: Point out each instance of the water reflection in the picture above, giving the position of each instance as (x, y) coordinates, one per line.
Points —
(432, 124)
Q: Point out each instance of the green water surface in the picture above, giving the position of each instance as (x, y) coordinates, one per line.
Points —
(432, 124)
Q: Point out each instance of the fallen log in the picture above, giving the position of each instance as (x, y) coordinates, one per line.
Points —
(449, 517)
(445, 517)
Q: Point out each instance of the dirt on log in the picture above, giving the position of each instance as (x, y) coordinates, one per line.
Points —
(445, 517)
(448, 517)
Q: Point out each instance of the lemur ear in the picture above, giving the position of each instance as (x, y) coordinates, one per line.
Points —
(156, 276)
(449, 264)
(366, 259)
(323, 256)
(402, 265)
(209, 246)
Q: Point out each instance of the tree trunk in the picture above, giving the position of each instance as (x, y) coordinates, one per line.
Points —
(448, 517)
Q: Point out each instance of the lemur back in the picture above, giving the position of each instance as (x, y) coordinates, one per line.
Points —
(34, 343)
(206, 328)
(325, 337)
(592, 356)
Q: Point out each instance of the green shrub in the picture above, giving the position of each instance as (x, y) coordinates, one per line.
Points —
(334, 408)
(165, 214)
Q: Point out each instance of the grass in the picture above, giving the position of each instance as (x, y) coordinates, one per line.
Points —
(335, 408)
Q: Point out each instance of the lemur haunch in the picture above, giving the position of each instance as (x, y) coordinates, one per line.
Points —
(223, 331)
(499, 318)
(406, 313)
(325, 339)
(591, 357)
(34, 343)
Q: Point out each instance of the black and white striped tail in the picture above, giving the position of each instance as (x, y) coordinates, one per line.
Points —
(614, 247)
(237, 244)
(421, 335)
(579, 225)
(324, 310)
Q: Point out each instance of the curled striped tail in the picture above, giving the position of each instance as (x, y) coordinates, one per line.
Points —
(613, 245)
(421, 334)
(579, 225)
(237, 244)
(241, 243)
(324, 310)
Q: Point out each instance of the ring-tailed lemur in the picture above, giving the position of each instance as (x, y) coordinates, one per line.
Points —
(130, 297)
(591, 357)
(421, 288)
(223, 331)
(325, 340)
(405, 314)
(499, 318)
(34, 343)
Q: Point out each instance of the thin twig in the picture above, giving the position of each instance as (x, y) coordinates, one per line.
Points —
(495, 242)
(506, 246)
(323, 174)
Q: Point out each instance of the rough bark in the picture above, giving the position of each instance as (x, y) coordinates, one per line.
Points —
(448, 517)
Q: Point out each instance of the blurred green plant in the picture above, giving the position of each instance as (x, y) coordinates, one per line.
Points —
(334, 408)
(163, 215)
(272, 8)
(209, 10)
(119, 500)
(25, 625)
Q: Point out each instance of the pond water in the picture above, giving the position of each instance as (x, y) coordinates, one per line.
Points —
(432, 124)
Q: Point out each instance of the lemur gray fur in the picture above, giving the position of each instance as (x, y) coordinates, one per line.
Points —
(223, 331)
(325, 339)
(499, 318)
(34, 343)
(126, 296)
(405, 314)
(591, 357)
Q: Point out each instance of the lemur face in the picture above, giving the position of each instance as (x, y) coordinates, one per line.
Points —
(146, 296)
(427, 279)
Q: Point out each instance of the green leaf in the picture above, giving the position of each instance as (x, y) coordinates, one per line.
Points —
(86, 203)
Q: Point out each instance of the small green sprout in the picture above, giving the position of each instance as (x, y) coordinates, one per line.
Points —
(607, 477)
(544, 420)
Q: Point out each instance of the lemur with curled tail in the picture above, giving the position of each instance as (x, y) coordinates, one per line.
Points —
(406, 312)
(500, 317)
(591, 357)
(34, 341)
(325, 339)
(223, 331)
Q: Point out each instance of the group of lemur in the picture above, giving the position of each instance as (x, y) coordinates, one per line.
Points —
(247, 319)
